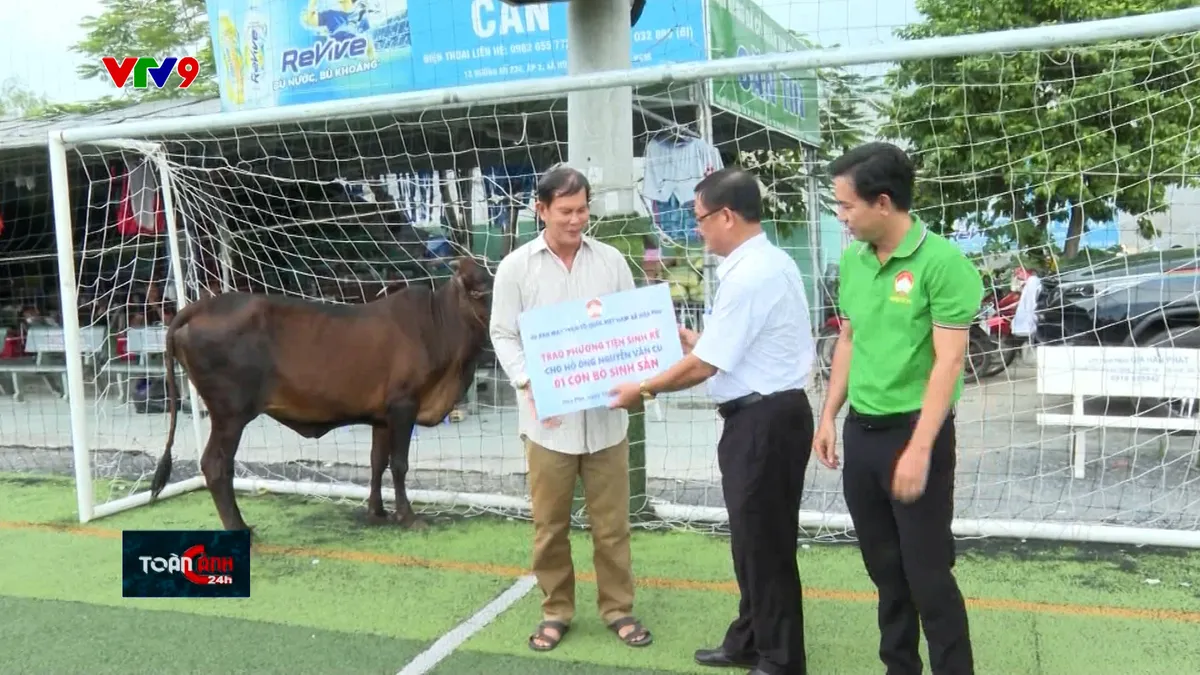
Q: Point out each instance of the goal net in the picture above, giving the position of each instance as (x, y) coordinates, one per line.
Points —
(1071, 164)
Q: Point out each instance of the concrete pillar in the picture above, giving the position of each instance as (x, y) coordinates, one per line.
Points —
(600, 122)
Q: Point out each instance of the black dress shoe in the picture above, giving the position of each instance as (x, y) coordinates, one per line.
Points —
(720, 659)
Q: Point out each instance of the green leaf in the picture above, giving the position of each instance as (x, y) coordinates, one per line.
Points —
(1104, 126)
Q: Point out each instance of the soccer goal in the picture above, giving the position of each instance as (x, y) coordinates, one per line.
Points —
(336, 201)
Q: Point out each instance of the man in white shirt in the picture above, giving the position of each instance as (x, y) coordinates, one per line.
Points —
(756, 353)
(563, 264)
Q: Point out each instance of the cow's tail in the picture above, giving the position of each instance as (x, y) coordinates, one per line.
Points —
(163, 471)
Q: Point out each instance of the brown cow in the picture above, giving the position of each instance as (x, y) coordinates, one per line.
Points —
(392, 363)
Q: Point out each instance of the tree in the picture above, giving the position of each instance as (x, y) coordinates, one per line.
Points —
(155, 28)
(17, 100)
(847, 104)
(128, 28)
(1031, 136)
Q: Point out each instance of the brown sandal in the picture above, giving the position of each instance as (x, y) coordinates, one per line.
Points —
(540, 640)
(638, 637)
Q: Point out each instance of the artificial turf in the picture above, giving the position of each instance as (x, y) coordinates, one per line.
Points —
(68, 638)
(331, 595)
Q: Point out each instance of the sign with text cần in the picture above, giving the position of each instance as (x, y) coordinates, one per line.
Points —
(577, 351)
(285, 52)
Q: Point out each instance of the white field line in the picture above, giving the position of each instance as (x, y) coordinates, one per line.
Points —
(445, 645)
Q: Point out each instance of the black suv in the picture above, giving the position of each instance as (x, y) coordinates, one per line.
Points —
(1149, 299)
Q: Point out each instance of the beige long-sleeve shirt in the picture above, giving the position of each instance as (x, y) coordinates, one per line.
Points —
(533, 276)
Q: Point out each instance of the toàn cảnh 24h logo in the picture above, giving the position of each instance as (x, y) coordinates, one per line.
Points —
(146, 70)
(185, 563)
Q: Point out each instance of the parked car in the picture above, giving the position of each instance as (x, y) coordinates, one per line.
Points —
(1149, 299)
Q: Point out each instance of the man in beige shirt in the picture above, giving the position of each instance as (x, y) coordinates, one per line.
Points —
(563, 264)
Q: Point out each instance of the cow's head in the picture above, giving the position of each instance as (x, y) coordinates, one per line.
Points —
(476, 285)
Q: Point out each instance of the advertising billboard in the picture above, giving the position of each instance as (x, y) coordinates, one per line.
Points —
(285, 52)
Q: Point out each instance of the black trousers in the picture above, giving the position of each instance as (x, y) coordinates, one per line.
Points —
(763, 454)
(908, 549)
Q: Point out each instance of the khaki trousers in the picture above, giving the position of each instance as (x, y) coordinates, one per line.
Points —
(605, 475)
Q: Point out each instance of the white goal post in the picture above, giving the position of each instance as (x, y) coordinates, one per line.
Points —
(198, 250)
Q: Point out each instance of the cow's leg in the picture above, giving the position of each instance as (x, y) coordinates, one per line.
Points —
(381, 449)
(217, 465)
(402, 420)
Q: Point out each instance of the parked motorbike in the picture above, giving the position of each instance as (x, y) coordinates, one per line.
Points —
(980, 361)
(996, 325)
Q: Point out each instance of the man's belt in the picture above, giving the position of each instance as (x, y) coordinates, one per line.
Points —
(730, 407)
(891, 421)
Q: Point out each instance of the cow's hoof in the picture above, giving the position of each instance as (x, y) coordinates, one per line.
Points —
(457, 415)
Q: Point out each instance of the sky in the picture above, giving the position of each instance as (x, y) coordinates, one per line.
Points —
(39, 55)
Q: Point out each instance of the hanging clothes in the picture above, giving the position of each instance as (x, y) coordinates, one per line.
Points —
(418, 194)
(140, 210)
(504, 185)
(1024, 321)
(672, 167)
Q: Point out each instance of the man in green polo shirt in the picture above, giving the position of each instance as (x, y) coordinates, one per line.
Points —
(907, 297)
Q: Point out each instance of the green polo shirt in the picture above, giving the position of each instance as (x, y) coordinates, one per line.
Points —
(892, 309)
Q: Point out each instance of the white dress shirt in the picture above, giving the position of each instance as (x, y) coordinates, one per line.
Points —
(759, 335)
(533, 276)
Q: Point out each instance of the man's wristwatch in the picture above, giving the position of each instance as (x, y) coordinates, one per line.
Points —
(646, 394)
